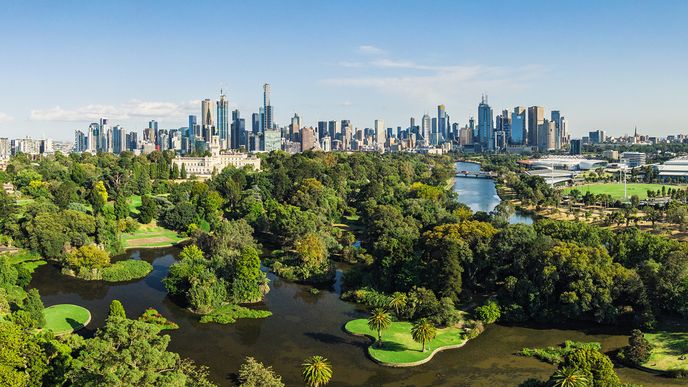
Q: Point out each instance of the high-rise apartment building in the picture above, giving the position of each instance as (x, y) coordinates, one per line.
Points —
(425, 129)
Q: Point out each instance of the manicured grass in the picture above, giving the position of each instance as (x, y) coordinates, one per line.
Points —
(150, 235)
(668, 347)
(617, 189)
(398, 346)
(128, 270)
(228, 314)
(134, 203)
(65, 318)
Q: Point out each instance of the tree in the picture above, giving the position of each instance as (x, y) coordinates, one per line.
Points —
(316, 371)
(379, 320)
(638, 349)
(423, 331)
(398, 303)
(98, 197)
(254, 374)
(116, 310)
(130, 352)
(568, 377)
(593, 365)
(34, 306)
(148, 209)
(182, 173)
(247, 278)
(489, 312)
(89, 257)
(121, 207)
(312, 252)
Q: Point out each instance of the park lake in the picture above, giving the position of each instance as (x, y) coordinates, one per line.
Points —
(305, 324)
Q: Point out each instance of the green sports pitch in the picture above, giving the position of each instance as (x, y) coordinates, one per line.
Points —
(616, 190)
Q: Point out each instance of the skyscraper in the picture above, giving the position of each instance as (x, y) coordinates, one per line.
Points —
(536, 116)
(235, 140)
(442, 132)
(119, 139)
(193, 127)
(555, 116)
(267, 108)
(207, 121)
(518, 126)
(380, 134)
(207, 113)
(425, 129)
(223, 121)
(547, 135)
(485, 125)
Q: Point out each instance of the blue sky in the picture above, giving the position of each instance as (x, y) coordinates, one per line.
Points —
(605, 64)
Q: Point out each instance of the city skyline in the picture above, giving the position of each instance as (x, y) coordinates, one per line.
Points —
(610, 75)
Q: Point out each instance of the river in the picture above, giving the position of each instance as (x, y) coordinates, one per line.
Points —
(304, 324)
(481, 194)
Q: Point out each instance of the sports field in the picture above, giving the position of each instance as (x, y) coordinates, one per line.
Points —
(617, 189)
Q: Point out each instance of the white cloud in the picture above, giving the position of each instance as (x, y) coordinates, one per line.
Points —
(350, 64)
(370, 49)
(4, 117)
(426, 83)
(123, 111)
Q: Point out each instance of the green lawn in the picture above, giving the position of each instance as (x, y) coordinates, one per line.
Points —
(65, 318)
(398, 346)
(617, 189)
(134, 203)
(668, 347)
(150, 235)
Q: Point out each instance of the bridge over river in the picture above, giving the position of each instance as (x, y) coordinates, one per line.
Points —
(476, 174)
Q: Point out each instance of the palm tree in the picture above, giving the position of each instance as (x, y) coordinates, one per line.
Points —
(316, 371)
(423, 331)
(398, 302)
(568, 377)
(379, 319)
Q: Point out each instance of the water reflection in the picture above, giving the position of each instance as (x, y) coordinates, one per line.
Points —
(481, 194)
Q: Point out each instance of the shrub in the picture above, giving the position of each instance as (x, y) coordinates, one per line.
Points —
(152, 316)
(474, 329)
(489, 313)
(638, 349)
(126, 270)
(367, 296)
(555, 355)
(228, 314)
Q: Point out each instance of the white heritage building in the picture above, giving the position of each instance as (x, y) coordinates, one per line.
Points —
(204, 166)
